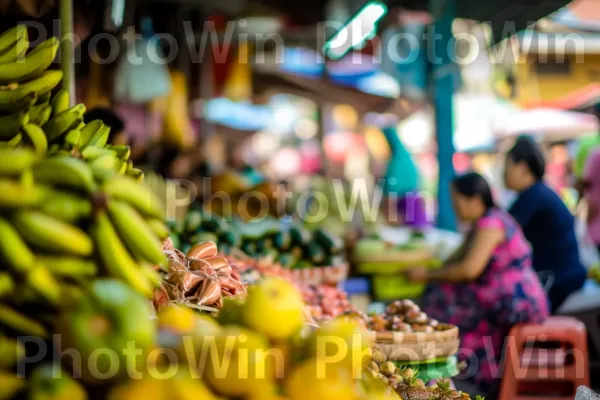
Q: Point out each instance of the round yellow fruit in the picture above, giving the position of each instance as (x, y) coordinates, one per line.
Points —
(147, 389)
(341, 341)
(274, 308)
(314, 380)
(178, 319)
(241, 365)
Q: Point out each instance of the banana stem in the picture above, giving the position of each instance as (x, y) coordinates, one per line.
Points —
(66, 50)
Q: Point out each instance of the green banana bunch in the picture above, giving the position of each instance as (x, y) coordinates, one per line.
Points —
(64, 122)
(115, 257)
(105, 167)
(135, 233)
(65, 171)
(15, 161)
(91, 153)
(159, 228)
(69, 267)
(66, 206)
(71, 139)
(20, 323)
(135, 194)
(10, 385)
(14, 194)
(16, 51)
(11, 124)
(7, 286)
(34, 63)
(35, 136)
(14, 251)
(122, 151)
(51, 234)
(99, 138)
(12, 143)
(18, 97)
(12, 36)
(12, 351)
(89, 130)
(39, 114)
(44, 98)
(60, 102)
(43, 283)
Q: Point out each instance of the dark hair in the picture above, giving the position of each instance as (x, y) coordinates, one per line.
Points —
(107, 116)
(472, 185)
(527, 151)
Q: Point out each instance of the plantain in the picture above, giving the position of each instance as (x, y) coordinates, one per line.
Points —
(115, 257)
(64, 122)
(68, 267)
(14, 194)
(11, 124)
(20, 323)
(12, 36)
(60, 102)
(41, 280)
(135, 233)
(135, 194)
(16, 97)
(65, 171)
(34, 63)
(51, 234)
(36, 138)
(66, 206)
(15, 52)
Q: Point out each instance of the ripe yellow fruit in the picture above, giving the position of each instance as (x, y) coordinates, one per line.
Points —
(274, 308)
(178, 319)
(311, 381)
(341, 341)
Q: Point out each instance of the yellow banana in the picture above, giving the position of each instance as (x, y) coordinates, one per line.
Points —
(32, 65)
(64, 122)
(66, 206)
(122, 168)
(11, 36)
(51, 234)
(35, 136)
(7, 287)
(16, 52)
(71, 140)
(98, 139)
(136, 174)
(10, 385)
(123, 151)
(44, 99)
(115, 257)
(65, 171)
(136, 194)
(20, 323)
(12, 351)
(60, 102)
(135, 233)
(11, 124)
(14, 194)
(15, 161)
(41, 280)
(12, 143)
(14, 251)
(159, 228)
(14, 97)
(90, 153)
(90, 130)
(68, 267)
(129, 166)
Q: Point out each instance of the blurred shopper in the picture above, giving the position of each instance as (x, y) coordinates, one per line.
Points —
(546, 221)
(488, 285)
(591, 193)
(404, 204)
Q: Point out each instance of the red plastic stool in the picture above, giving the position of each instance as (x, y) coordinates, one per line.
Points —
(534, 373)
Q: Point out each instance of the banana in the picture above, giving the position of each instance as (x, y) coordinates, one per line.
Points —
(15, 253)
(14, 194)
(66, 206)
(70, 295)
(38, 113)
(41, 280)
(90, 153)
(20, 323)
(115, 257)
(60, 102)
(44, 99)
(151, 275)
(35, 136)
(12, 351)
(44, 116)
(10, 385)
(11, 123)
(90, 129)
(15, 161)
(7, 287)
(15, 52)
(32, 65)
(159, 228)
(68, 267)
(64, 122)
(11, 36)
(104, 167)
(71, 139)
(122, 167)
(12, 143)
(65, 171)
(123, 151)
(136, 174)
(51, 234)
(98, 139)
(13, 97)
(129, 166)
(136, 234)
(136, 194)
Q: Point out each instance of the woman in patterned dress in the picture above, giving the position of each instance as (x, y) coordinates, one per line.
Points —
(488, 286)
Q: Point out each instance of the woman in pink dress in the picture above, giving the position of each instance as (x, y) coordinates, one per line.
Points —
(488, 286)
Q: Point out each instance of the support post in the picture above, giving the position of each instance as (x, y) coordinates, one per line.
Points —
(67, 48)
(443, 82)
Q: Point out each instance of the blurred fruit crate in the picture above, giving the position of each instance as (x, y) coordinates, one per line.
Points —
(331, 275)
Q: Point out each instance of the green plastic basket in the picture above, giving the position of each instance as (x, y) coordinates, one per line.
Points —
(395, 287)
(392, 268)
(431, 370)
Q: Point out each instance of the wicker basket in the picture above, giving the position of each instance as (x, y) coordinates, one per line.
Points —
(399, 346)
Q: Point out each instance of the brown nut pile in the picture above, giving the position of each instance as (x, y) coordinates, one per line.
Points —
(405, 316)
